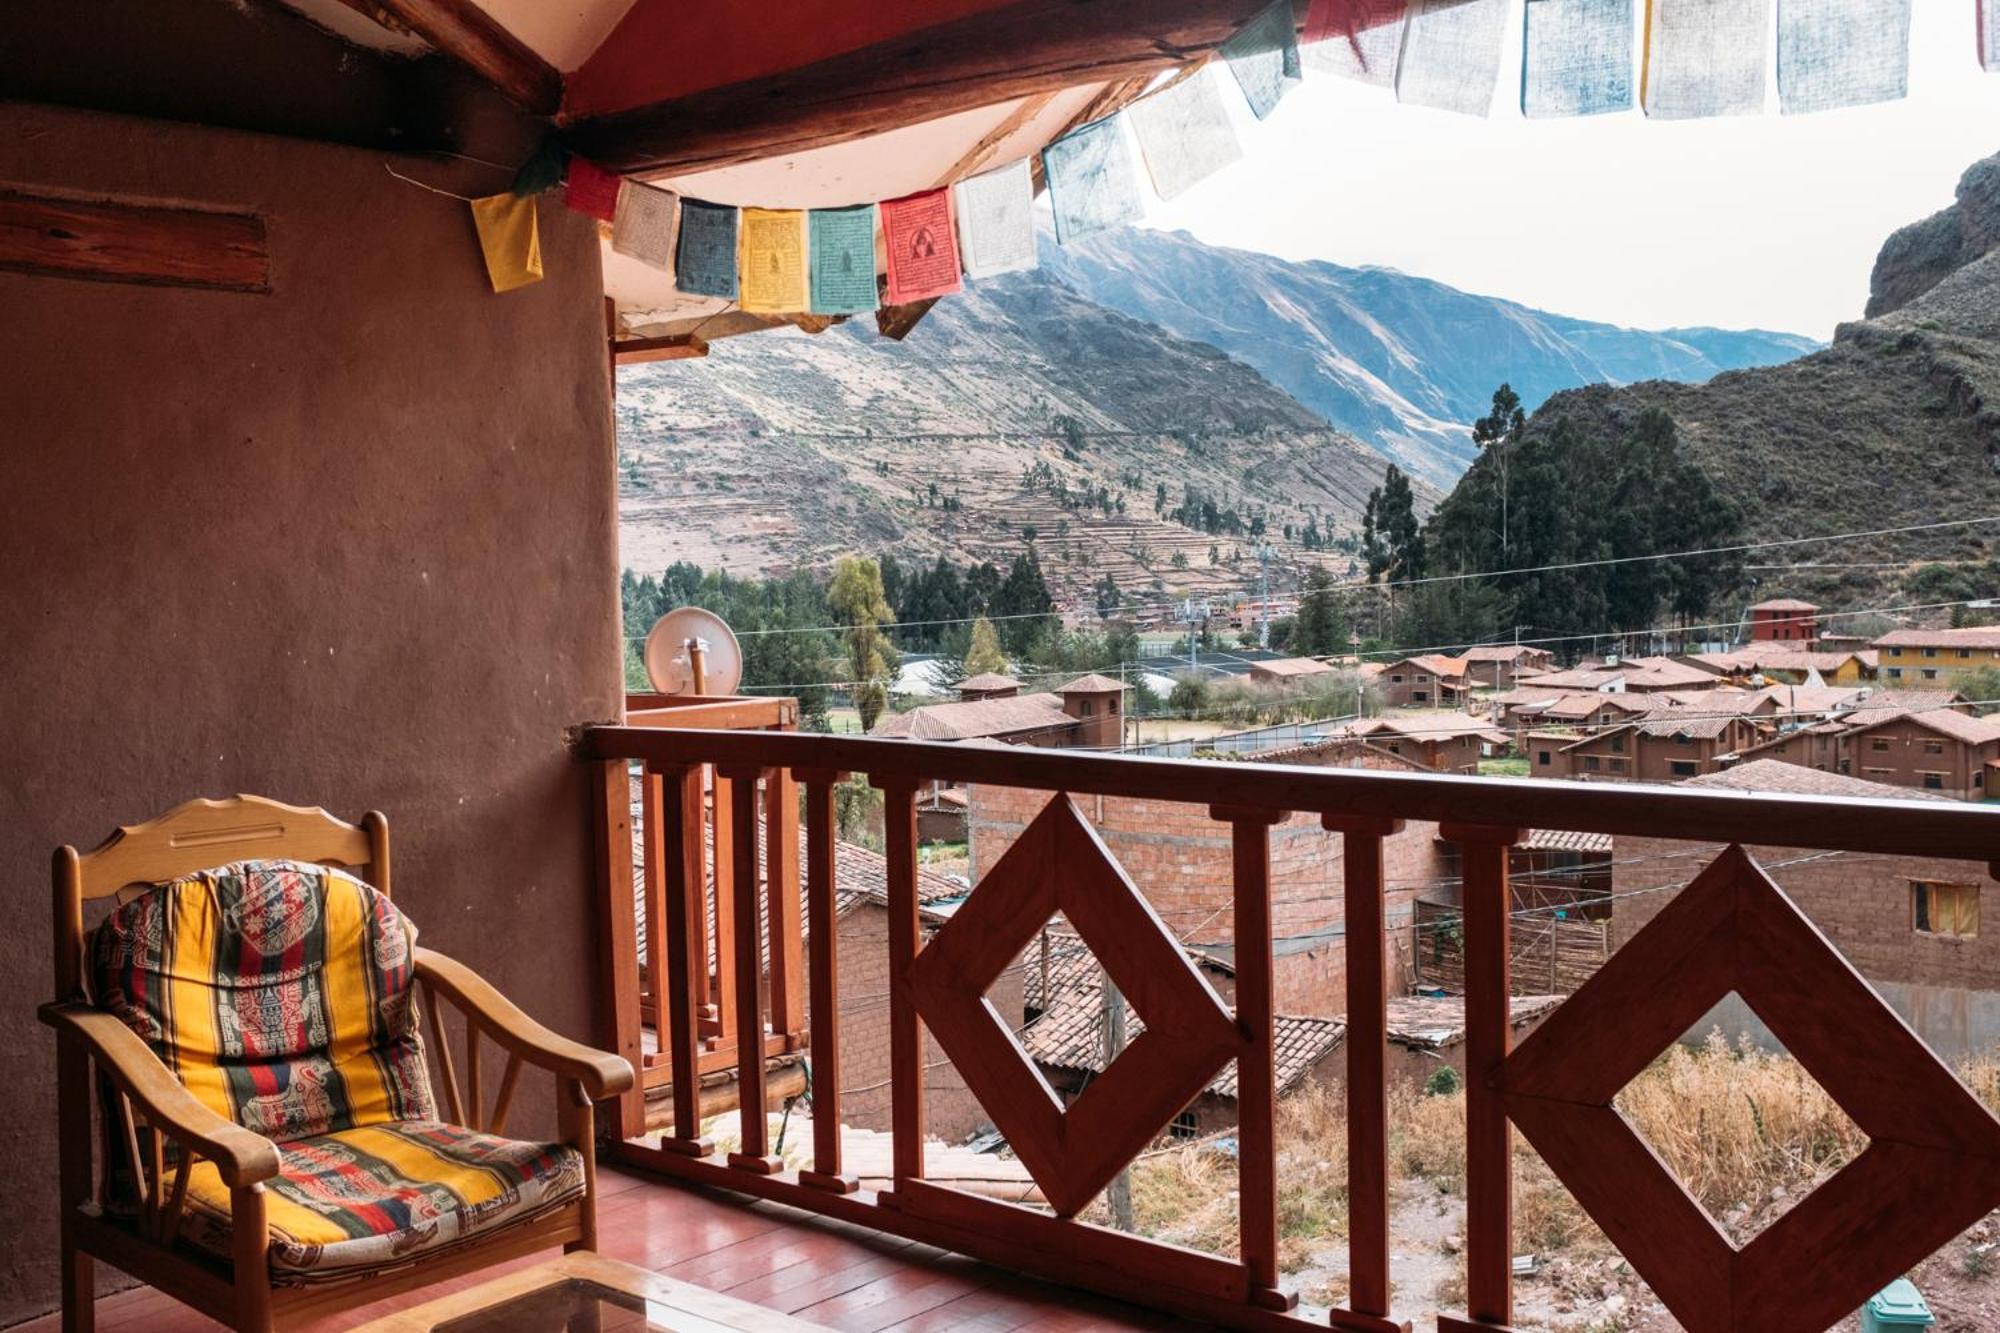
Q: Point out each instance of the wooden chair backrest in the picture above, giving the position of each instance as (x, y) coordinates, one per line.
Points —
(197, 835)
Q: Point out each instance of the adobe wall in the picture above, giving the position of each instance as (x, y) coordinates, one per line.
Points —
(1181, 860)
(951, 1112)
(1947, 988)
(352, 543)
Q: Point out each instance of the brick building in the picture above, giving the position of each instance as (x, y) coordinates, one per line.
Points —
(1431, 680)
(1436, 740)
(1088, 711)
(1660, 747)
(1940, 751)
(1909, 924)
(1180, 859)
(1498, 666)
(1784, 620)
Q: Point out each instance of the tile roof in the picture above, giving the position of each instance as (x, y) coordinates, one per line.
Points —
(1768, 775)
(1784, 604)
(1511, 652)
(1292, 666)
(1070, 1035)
(1969, 730)
(1564, 840)
(1429, 1022)
(1438, 664)
(1971, 636)
(1810, 698)
(970, 718)
(1576, 678)
(1095, 684)
(989, 680)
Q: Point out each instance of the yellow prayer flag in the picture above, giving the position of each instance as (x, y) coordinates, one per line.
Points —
(774, 261)
(510, 238)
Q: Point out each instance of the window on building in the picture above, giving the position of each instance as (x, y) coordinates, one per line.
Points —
(1878, 774)
(1683, 768)
(1895, 673)
(1932, 781)
(1929, 673)
(1395, 747)
(1591, 763)
(1683, 739)
(1944, 909)
(1933, 747)
(1964, 654)
(1395, 680)
(1420, 696)
(1542, 757)
(1184, 1126)
(1083, 708)
(1847, 766)
(1930, 652)
(1618, 745)
(1617, 765)
(1879, 744)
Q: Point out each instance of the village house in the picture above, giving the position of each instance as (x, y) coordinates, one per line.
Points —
(1784, 620)
(1534, 706)
(1661, 747)
(1285, 670)
(1790, 664)
(1928, 657)
(1498, 666)
(1935, 751)
(1087, 712)
(1910, 924)
(1429, 680)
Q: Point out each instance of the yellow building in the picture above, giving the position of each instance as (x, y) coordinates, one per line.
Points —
(1936, 656)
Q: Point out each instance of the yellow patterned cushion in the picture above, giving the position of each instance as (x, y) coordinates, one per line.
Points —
(278, 992)
(364, 1200)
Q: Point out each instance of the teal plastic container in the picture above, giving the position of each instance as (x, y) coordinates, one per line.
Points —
(1897, 1306)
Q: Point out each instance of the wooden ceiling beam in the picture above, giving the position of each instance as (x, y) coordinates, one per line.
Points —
(462, 31)
(1023, 49)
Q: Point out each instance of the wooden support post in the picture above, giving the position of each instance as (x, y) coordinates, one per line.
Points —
(611, 794)
(906, 1033)
(781, 905)
(752, 1113)
(1112, 1005)
(682, 891)
(824, 942)
(1489, 1167)
(1367, 1042)
(1256, 1078)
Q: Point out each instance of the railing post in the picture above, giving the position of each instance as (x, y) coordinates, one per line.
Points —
(823, 941)
(1367, 1041)
(752, 1113)
(722, 925)
(906, 1033)
(781, 899)
(1256, 1079)
(1489, 1168)
(682, 889)
(611, 793)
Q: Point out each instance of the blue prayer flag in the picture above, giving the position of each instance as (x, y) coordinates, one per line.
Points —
(706, 262)
(1836, 53)
(1092, 180)
(1264, 57)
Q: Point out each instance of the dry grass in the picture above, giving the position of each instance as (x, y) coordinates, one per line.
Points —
(1748, 1133)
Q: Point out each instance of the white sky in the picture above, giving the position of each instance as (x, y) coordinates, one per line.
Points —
(1767, 222)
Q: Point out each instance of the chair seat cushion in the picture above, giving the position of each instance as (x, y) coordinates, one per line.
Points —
(360, 1201)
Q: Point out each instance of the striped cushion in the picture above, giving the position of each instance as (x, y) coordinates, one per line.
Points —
(364, 1200)
(278, 992)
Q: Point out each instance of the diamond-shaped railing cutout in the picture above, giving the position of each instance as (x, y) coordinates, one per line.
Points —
(1742, 1125)
(1931, 1169)
(1060, 865)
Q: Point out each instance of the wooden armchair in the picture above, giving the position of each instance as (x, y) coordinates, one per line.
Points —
(269, 1150)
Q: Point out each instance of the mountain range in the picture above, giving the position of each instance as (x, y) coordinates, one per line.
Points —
(1402, 363)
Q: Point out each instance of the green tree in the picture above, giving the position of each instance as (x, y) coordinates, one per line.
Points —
(1189, 696)
(984, 654)
(1392, 541)
(857, 600)
(1319, 629)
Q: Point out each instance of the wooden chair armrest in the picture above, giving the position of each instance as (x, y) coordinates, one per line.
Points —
(601, 1073)
(242, 1156)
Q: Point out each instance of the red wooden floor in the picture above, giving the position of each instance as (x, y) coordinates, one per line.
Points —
(828, 1272)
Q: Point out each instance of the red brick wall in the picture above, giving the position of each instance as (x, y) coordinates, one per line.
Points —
(951, 1112)
(1903, 759)
(1181, 860)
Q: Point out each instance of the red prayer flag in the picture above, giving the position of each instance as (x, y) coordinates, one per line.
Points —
(1346, 19)
(922, 240)
(589, 188)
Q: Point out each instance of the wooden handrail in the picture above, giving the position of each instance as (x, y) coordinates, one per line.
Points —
(1948, 830)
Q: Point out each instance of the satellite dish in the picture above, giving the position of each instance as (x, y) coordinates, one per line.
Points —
(692, 651)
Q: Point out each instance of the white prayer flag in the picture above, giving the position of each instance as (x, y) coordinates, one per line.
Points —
(1451, 55)
(1185, 134)
(1092, 185)
(1577, 57)
(996, 221)
(646, 224)
(1264, 57)
(1836, 53)
(1989, 35)
(1705, 58)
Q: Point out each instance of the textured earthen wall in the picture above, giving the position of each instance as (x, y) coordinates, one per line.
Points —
(352, 543)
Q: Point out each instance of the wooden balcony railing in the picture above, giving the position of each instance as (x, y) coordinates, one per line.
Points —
(1932, 1167)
